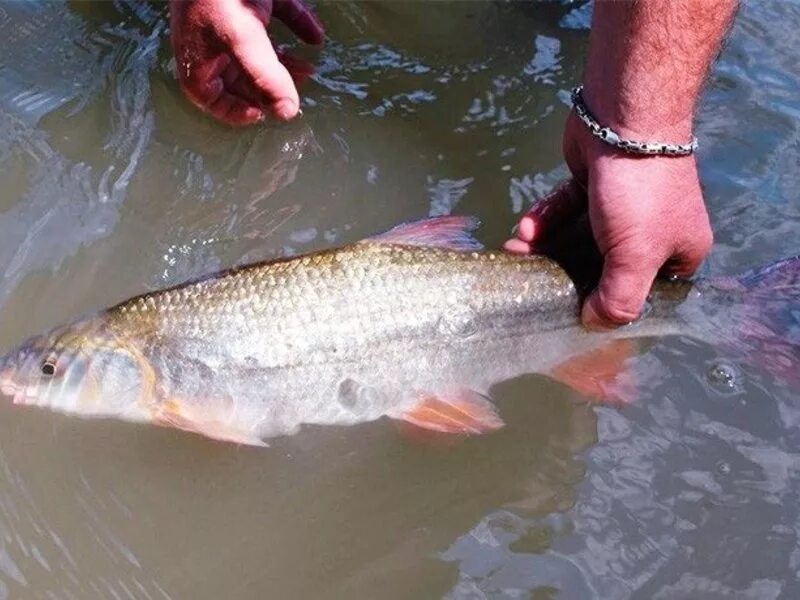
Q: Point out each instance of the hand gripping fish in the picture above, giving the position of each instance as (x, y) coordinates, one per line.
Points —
(415, 324)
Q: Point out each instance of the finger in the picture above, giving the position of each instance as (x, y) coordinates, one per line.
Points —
(622, 291)
(565, 204)
(201, 81)
(688, 258)
(240, 85)
(233, 76)
(299, 68)
(234, 110)
(517, 246)
(237, 83)
(297, 17)
(269, 77)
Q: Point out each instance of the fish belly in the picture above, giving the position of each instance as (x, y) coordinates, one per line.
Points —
(385, 381)
(354, 336)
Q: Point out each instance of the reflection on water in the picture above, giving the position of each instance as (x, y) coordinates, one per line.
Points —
(114, 185)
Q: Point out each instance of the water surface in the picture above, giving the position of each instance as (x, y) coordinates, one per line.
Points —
(113, 185)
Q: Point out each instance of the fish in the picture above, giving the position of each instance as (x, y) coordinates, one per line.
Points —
(416, 324)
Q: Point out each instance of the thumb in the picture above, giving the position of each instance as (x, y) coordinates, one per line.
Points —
(622, 291)
(271, 80)
(564, 204)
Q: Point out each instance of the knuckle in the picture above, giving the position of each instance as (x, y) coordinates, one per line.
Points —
(693, 250)
(705, 240)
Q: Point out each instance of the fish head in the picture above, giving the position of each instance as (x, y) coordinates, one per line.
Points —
(81, 369)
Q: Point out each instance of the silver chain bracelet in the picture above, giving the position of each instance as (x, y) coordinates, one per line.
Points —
(609, 136)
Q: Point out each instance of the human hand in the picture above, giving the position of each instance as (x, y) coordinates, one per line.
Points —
(226, 63)
(645, 213)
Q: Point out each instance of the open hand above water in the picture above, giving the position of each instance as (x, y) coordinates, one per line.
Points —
(226, 63)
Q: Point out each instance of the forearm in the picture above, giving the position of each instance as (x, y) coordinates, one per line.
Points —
(648, 60)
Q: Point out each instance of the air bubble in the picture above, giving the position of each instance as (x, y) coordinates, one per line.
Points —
(722, 467)
(723, 377)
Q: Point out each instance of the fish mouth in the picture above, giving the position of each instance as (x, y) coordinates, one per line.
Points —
(23, 400)
(19, 394)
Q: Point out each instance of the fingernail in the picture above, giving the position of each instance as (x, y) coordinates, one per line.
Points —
(515, 246)
(526, 229)
(285, 109)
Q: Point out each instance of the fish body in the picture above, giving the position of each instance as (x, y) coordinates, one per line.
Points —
(417, 324)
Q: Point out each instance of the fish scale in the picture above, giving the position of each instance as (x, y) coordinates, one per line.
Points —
(415, 324)
(356, 314)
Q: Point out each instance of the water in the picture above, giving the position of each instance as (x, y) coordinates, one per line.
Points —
(113, 185)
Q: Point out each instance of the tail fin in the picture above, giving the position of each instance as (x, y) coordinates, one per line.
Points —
(765, 323)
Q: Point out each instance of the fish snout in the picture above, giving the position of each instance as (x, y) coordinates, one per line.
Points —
(10, 387)
(7, 385)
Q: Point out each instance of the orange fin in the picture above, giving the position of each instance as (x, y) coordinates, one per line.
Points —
(601, 374)
(170, 415)
(460, 411)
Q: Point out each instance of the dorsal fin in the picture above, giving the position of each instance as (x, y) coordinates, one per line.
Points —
(454, 232)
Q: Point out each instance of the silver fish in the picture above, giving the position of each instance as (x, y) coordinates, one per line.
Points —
(416, 324)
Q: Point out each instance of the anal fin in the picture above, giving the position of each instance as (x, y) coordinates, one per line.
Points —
(600, 374)
(459, 411)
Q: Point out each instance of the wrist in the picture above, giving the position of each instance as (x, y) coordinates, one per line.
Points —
(638, 115)
(588, 157)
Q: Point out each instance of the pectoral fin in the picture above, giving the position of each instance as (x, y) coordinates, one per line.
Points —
(458, 411)
(601, 374)
(170, 414)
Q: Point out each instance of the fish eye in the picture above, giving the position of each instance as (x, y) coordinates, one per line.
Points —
(49, 367)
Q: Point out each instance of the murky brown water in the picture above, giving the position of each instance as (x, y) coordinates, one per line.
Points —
(113, 185)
